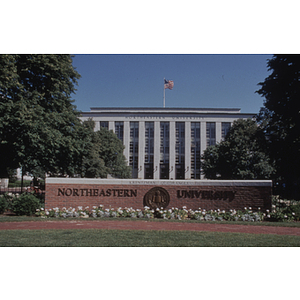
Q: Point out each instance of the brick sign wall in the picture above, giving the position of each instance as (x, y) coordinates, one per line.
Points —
(207, 194)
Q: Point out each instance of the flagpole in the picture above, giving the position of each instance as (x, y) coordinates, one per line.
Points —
(164, 94)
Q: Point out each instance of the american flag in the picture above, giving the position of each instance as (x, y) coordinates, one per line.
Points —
(169, 84)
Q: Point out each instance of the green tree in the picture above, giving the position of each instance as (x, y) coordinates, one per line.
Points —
(90, 164)
(8, 86)
(102, 154)
(241, 155)
(111, 151)
(38, 122)
(280, 119)
(210, 163)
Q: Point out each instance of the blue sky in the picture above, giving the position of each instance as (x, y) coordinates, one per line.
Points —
(208, 81)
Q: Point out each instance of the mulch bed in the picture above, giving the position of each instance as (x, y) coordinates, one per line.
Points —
(146, 225)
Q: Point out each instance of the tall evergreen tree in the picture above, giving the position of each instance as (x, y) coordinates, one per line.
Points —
(280, 118)
(38, 122)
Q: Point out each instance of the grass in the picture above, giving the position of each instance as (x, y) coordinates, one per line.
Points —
(140, 238)
(12, 218)
(18, 183)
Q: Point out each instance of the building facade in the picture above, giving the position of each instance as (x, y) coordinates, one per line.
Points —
(165, 143)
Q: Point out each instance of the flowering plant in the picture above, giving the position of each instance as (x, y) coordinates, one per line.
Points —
(40, 212)
(148, 213)
(7, 200)
(283, 212)
(173, 213)
(197, 214)
(231, 215)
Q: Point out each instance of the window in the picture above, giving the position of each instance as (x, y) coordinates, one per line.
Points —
(164, 150)
(210, 133)
(134, 148)
(195, 150)
(149, 149)
(104, 124)
(180, 150)
(225, 128)
(119, 130)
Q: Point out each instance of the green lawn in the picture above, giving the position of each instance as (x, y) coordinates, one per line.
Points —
(8, 218)
(139, 238)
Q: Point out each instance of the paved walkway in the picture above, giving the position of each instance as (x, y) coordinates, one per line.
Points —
(146, 225)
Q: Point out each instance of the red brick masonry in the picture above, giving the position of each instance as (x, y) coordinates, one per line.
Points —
(114, 193)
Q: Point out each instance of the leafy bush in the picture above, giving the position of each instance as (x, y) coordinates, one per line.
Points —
(26, 204)
(7, 200)
(295, 211)
(283, 210)
(3, 204)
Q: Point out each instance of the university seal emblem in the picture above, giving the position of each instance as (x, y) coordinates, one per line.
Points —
(157, 197)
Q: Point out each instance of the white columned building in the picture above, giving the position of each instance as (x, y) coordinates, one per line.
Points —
(166, 143)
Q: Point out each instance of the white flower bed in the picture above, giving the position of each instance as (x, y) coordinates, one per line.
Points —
(173, 213)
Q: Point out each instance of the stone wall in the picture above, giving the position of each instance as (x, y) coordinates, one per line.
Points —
(114, 193)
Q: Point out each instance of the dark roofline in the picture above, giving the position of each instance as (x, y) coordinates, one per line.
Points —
(164, 108)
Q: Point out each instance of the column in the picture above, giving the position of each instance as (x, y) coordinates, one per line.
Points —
(187, 150)
(127, 140)
(203, 136)
(111, 126)
(172, 150)
(141, 169)
(97, 125)
(218, 132)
